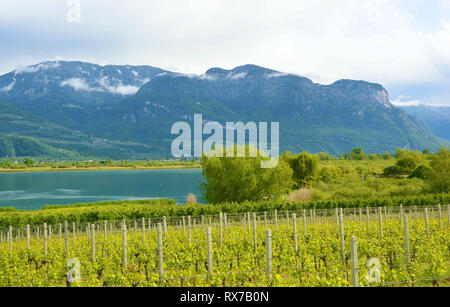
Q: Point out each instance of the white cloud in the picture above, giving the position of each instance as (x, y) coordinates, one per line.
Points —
(79, 85)
(9, 86)
(104, 86)
(119, 88)
(206, 77)
(124, 89)
(229, 76)
(403, 101)
(236, 76)
(276, 75)
(35, 68)
(385, 41)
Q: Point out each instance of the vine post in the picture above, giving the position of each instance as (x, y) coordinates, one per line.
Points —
(160, 253)
(124, 245)
(269, 252)
(354, 261)
(294, 225)
(209, 246)
(407, 251)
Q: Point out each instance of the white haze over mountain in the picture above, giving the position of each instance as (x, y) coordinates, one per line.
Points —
(104, 85)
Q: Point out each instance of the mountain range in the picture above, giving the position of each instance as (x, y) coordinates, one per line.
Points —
(435, 117)
(126, 112)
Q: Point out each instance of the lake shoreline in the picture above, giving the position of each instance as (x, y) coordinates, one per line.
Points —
(106, 168)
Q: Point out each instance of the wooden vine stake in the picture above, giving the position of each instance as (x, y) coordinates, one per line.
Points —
(160, 253)
(380, 220)
(74, 231)
(440, 216)
(407, 252)
(209, 246)
(45, 240)
(93, 242)
(66, 237)
(189, 230)
(255, 239)
(143, 230)
(269, 252)
(341, 231)
(360, 216)
(354, 261)
(304, 222)
(28, 237)
(294, 225)
(165, 225)
(276, 220)
(221, 228)
(124, 244)
(105, 230)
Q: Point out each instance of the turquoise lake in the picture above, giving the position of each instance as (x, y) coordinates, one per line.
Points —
(31, 191)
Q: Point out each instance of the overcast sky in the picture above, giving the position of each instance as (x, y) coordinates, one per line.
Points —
(402, 44)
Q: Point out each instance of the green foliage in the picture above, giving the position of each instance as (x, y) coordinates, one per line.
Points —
(15, 146)
(305, 167)
(327, 174)
(315, 261)
(45, 164)
(242, 178)
(357, 154)
(387, 156)
(394, 170)
(407, 162)
(29, 162)
(152, 202)
(439, 180)
(323, 156)
(421, 172)
(7, 209)
(136, 211)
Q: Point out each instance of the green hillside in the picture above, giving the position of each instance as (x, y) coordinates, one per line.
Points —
(19, 146)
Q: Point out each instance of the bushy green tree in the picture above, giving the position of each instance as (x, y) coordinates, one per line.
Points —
(393, 171)
(407, 162)
(421, 172)
(439, 179)
(28, 162)
(238, 179)
(305, 167)
(357, 154)
(323, 156)
(387, 156)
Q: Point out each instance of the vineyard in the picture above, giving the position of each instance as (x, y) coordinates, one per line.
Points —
(384, 246)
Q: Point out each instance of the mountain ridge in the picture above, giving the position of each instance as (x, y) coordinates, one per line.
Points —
(436, 117)
(124, 109)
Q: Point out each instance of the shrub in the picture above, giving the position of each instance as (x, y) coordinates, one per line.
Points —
(394, 170)
(439, 179)
(191, 199)
(421, 172)
(305, 167)
(302, 195)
